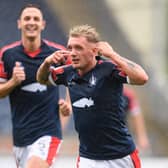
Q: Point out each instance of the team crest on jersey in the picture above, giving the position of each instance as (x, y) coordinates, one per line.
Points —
(92, 80)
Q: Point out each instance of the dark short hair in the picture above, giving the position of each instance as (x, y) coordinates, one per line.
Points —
(30, 5)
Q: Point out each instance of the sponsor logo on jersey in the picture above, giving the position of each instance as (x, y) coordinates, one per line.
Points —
(83, 103)
(34, 87)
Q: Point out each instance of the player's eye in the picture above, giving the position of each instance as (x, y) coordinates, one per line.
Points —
(69, 48)
(36, 18)
(27, 18)
(78, 47)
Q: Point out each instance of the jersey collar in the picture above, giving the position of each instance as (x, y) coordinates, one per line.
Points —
(34, 53)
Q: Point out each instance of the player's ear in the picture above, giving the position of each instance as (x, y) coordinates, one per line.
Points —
(43, 24)
(18, 24)
(95, 50)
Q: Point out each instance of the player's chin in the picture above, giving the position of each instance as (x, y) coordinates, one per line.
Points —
(31, 35)
(76, 66)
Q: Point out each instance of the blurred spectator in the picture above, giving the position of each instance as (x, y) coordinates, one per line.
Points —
(135, 118)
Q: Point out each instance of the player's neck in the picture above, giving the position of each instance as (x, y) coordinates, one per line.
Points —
(31, 45)
(87, 68)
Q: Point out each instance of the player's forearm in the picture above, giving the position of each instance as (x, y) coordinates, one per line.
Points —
(6, 88)
(44, 69)
(43, 73)
(140, 132)
(139, 125)
(135, 72)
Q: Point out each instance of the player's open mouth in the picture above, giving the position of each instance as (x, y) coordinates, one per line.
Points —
(75, 61)
(31, 28)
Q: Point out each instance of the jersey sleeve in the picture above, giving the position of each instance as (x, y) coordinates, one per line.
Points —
(57, 75)
(120, 75)
(3, 74)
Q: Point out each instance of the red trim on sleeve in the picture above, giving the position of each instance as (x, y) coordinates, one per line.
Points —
(123, 74)
(53, 149)
(56, 71)
(2, 71)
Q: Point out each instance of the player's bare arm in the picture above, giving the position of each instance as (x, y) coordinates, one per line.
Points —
(65, 107)
(44, 70)
(18, 76)
(135, 72)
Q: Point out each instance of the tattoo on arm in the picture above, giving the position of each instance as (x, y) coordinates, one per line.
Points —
(43, 75)
(44, 79)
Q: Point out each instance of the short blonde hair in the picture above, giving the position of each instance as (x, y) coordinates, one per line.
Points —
(86, 31)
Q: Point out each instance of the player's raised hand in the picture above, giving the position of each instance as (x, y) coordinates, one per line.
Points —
(57, 57)
(18, 73)
(105, 49)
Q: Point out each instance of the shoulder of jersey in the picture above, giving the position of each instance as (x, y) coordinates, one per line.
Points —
(9, 46)
(54, 44)
(105, 62)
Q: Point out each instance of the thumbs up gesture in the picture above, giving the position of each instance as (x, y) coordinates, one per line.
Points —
(18, 73)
